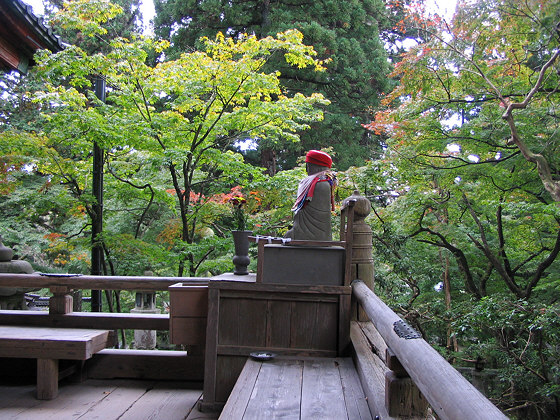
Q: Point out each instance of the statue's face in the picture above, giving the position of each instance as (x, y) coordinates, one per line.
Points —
(313, 169)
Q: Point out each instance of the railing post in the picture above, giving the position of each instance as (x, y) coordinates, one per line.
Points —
(61, 301)
(361, 243)
(402, 396)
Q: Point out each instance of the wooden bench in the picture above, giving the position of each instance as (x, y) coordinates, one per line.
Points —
(48, 346)
(297, 388)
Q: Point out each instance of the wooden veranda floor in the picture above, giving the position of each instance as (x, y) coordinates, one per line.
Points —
(104, 400)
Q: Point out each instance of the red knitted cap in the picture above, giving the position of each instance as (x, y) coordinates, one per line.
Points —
(318, 158)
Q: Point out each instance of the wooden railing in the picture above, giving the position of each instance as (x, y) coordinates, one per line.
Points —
(148, 364)
(449, 394)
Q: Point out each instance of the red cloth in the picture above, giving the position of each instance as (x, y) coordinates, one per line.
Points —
(318, 158)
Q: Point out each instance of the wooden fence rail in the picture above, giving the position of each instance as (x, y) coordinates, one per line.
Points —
(110, 363)
(95, 282)
(450, 395)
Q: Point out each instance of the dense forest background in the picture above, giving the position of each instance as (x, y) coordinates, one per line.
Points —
(450, 128)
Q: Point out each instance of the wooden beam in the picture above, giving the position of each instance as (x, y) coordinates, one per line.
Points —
(146, 364)
(96, 320)
(371, 371)
(79, 282)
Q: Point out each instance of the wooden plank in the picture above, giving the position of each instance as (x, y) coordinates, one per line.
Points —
(237, 350)
(239, 398)
(242, 321)
(354, 397)
(314, 326)
(146, 364)
(280, 296)
(279, 317)
(188, 300)
(279, 288)
(344, 308)
(164, 401)
(211, 350)
(78, 282)
(321, 395)
(228, 370)
(188, 331)
(53, 343)
(277, 391)
(72, 402)
(14, 400)
(293, 242)
(110, 321)
(378, 345)
(103, 400)
(118, 400)
(371, 371)
(285, 319)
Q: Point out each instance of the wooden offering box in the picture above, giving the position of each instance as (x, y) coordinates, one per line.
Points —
(288, 320)
(189, 310)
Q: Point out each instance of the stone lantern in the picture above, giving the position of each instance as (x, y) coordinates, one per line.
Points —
(145, 303)
(13, 297)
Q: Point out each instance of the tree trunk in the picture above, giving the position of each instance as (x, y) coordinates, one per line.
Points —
(268, 161)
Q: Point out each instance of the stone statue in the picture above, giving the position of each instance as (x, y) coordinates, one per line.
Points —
(314, 203)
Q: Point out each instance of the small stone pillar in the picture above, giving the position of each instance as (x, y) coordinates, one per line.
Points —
(362, 259)
(13, 297)
(145, 304)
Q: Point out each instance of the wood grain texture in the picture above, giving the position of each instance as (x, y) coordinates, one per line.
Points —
(51, 343)
(79, 282)
(356, 401)
(297, 388)
(104, 400)
(94, 320)
(321, 394)
(277, 392)
(237, 403)
(47, 379)
(371, 371)
(146, 364)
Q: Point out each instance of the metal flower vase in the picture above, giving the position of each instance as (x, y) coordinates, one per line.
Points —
(241, 258)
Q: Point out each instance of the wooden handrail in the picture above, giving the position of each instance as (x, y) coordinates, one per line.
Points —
(450, 395)
(95, 282)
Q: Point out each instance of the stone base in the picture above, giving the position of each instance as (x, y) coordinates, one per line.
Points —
(145, 339)
(303, 265)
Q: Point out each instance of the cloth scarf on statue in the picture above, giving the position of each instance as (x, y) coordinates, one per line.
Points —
(306, 188)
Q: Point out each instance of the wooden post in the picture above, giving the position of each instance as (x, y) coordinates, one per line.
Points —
(47, 379)
(402, 396)
(359, 239)
(61, 302)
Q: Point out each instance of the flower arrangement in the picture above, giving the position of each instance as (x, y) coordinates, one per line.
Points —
(239, 216)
